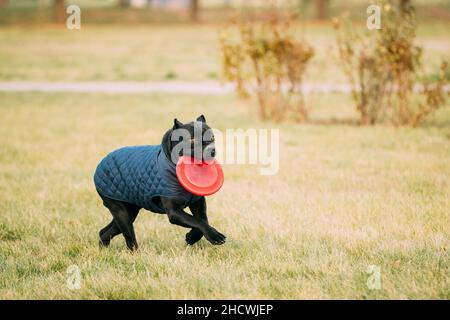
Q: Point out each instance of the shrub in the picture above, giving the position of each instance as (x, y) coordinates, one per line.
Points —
(266, 61)
(384, 67)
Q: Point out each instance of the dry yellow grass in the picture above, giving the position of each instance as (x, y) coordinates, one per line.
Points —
(149, 53)
(345, 198)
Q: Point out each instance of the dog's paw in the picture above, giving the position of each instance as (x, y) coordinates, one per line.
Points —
(103, 244)
(214, 236)
(193, 236)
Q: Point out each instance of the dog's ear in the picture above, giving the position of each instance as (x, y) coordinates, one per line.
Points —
(176, 123)
(201, 118)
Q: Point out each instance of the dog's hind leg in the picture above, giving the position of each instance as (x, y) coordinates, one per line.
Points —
(109, 225)
(108, 232)
(112, 230)
(124, 215)
(123, 221)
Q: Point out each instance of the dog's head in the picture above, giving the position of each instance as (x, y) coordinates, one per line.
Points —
(194, 139)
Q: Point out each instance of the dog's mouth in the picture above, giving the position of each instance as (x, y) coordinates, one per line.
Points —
(203, 161)
(207, 161)
(198, 152)
(205, 155)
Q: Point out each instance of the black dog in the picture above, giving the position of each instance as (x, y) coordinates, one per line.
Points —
(133, 178)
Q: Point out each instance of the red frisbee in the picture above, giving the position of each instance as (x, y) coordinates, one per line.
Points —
(201, 179)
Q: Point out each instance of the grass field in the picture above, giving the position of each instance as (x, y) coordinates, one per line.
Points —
(149, 53)
(345, 198)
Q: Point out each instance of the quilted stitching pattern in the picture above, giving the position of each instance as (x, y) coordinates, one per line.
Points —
(138, 174)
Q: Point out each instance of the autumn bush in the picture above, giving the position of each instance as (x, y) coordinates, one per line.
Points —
(385, 70)
(267, 62)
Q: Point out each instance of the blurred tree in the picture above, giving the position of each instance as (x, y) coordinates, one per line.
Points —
(322, 9)
(405, 6)
(193, 10)
(227, 3)
(124, 3)
(59, 10)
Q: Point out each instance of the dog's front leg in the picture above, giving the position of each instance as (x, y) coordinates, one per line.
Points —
(198, 209)
(179, 217)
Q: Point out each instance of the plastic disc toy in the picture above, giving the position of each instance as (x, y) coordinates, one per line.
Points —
(201, 179)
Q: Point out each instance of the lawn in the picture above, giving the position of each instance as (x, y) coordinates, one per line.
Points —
(345, 198)
(152, 52)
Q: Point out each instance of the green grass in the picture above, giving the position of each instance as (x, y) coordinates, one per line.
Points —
(149, 53)
(345, 197)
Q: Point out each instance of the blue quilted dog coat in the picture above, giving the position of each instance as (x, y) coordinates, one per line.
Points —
(139, 174)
